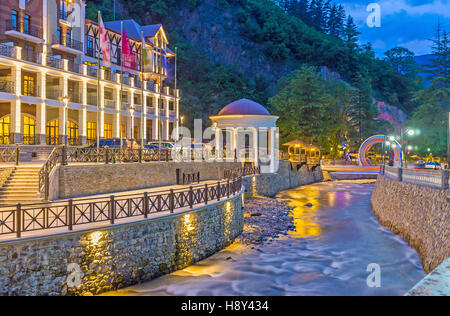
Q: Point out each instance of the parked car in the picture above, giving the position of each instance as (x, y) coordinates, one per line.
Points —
(167, 145)
(152, 147)
(433, 165)
(115, 143)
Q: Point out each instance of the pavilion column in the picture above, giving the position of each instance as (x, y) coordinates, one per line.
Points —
(256, 146)
(272, 132)
(218, 147)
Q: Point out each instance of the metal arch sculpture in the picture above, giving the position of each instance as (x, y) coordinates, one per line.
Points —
(378, 139)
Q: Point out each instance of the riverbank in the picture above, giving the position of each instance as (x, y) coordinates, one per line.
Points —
(417, 213)
(265, 219)
(335, 236)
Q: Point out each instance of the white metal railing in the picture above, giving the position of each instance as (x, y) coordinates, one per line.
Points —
(431, 178)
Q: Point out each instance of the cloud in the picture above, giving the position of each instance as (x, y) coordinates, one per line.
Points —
(408, 23)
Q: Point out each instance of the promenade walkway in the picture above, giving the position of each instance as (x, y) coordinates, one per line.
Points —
(59, 208)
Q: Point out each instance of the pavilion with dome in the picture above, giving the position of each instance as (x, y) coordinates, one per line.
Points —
(249, 132)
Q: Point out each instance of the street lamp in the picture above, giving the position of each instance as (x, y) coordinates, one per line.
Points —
(65, 100)
(410, 132)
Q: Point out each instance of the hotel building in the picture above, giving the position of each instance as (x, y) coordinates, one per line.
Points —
(49, 80)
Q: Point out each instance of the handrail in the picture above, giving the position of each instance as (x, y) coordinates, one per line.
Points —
(44, 172)
(43, 216)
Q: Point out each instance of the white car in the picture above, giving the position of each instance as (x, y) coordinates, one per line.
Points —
(433, 165)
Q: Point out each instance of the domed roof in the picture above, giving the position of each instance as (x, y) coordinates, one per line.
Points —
(244, 107)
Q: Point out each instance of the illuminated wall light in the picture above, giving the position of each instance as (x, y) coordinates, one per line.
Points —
(188, 222)
(95, 237)
(254, 190)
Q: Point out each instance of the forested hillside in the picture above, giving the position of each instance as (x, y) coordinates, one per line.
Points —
(230, 49)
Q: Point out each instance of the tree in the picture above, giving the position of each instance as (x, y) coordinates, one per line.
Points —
(401, 60)
(350, 34)
(303, 105)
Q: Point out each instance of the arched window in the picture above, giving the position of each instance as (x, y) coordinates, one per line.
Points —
(29, 130)
(72, 133)
(5, 130)
(52, 132)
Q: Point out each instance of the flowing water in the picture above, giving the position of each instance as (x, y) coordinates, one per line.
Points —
(328, 254)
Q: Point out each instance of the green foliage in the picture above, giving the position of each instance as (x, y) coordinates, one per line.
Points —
(432, 116)
(324, 112)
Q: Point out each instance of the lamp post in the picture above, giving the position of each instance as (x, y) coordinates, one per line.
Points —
(65, 100)
(409, 132)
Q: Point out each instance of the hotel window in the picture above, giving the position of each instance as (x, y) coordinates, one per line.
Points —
(58, 35)
(91, 132)
(68, 38)
(72, 133)
(108, 132)
(52, 132)
(90, 46)
(26, 24)
(29, 130)
(63, 12)
(5, 129)
(14, 24)
(28, 85)
(124, 131)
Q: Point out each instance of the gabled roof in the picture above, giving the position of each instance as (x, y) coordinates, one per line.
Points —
(133, 29)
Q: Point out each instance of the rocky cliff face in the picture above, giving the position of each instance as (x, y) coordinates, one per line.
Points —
(212, 30)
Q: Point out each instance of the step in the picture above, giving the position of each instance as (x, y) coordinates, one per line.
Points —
(19, 189)
(17, 194)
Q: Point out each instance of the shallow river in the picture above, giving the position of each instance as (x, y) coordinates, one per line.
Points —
(328, 254)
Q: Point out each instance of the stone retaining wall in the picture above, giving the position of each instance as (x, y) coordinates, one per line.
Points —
(94, 261)
(420, 214)
(289, 176)
(89, 179)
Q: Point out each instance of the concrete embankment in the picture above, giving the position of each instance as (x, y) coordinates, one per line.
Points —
(419, 214)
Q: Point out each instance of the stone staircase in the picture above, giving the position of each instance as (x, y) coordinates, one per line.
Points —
(22, 186)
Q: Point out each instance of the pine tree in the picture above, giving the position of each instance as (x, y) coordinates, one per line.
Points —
(340, 19)
(326, 16)
(318, 15)
(332, 24)
(438, 68)
(350, 34)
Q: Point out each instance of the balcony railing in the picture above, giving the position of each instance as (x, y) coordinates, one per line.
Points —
(8, 51)
(108, 74)
(92, 100)
(90, 52)
(7, 85)
(23, 28)
(53, 92)
(92, 71)
(55, 62)
(31, 91)
(75, 67)
(30, 55)
(110, 103)
(68, 42)
(74, 96)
